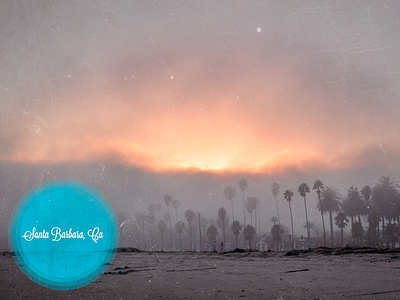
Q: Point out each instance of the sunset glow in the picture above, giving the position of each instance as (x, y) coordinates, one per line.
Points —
(187, 94)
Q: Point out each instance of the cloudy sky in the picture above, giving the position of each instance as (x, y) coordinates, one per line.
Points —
(185, 97)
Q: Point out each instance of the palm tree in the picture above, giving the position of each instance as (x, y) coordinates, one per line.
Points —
(203, 224)
(288, 196)
(229, 193)
(175, 204)
(366, 192)
(243, 184)
(276, 232)
(318, 186)
(309, 226)
(180, 227)
(249, 233)
(330, 203)
(350, 203)
(251, 205)
(392, 232)
(189, 215)
(275, 188)
(236, 228)
(222, 216)
(357, 231)
(274, 219)
(162, 226)
(341, 221)
(303, 190)
(385, 195)
(373, 221)
(212, 232)
(168, 200)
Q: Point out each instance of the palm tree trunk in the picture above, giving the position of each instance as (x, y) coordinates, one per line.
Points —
(244, 212)
(233, 216)
(291, 219)
(190, 233)
(201, 241)
(255, 219)
(277, 210)
(223, 229)
(308, 229)
(170, 230)
(322, 215)
(331, 224)
(341, 235)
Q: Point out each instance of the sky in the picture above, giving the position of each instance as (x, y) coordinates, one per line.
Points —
(144, 98)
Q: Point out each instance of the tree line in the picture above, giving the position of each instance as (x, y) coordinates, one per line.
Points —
(373, 214)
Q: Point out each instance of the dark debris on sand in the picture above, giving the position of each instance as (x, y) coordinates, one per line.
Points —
(344, 250)
(129, 249)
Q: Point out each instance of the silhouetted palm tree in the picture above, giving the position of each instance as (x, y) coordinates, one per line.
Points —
(243, 184)
(175, 204)
(309, 226)
(303, 190)
(203, 224)
(373, 225)
(168, 200)
(288, 196)
(251, 205)
(189, 215)
(330, 203)
(236, 228)
(162, 226)
(341, 221)
(318, 186)
(349, 204)
(385, 195)
(212, 233)
(392, 233)
(276, 232)
(366, 192)
(249, 232)
(275, 188)
(229, 193)
(357, 231)
(222, 216)
(180, 227)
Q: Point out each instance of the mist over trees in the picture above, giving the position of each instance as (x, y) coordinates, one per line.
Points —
(368, 216)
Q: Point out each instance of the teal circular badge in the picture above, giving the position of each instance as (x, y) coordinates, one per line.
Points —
(63, 234)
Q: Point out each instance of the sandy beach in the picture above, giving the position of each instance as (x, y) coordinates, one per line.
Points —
(318, 274)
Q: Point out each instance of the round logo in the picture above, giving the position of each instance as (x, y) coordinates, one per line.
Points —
(63, 234)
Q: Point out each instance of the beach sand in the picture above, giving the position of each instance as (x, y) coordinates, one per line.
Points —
(318, 274)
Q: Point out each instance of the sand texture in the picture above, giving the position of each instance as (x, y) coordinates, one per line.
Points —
(322, 274)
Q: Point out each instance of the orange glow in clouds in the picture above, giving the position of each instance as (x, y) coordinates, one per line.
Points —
(163, 129)
(218, 138)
